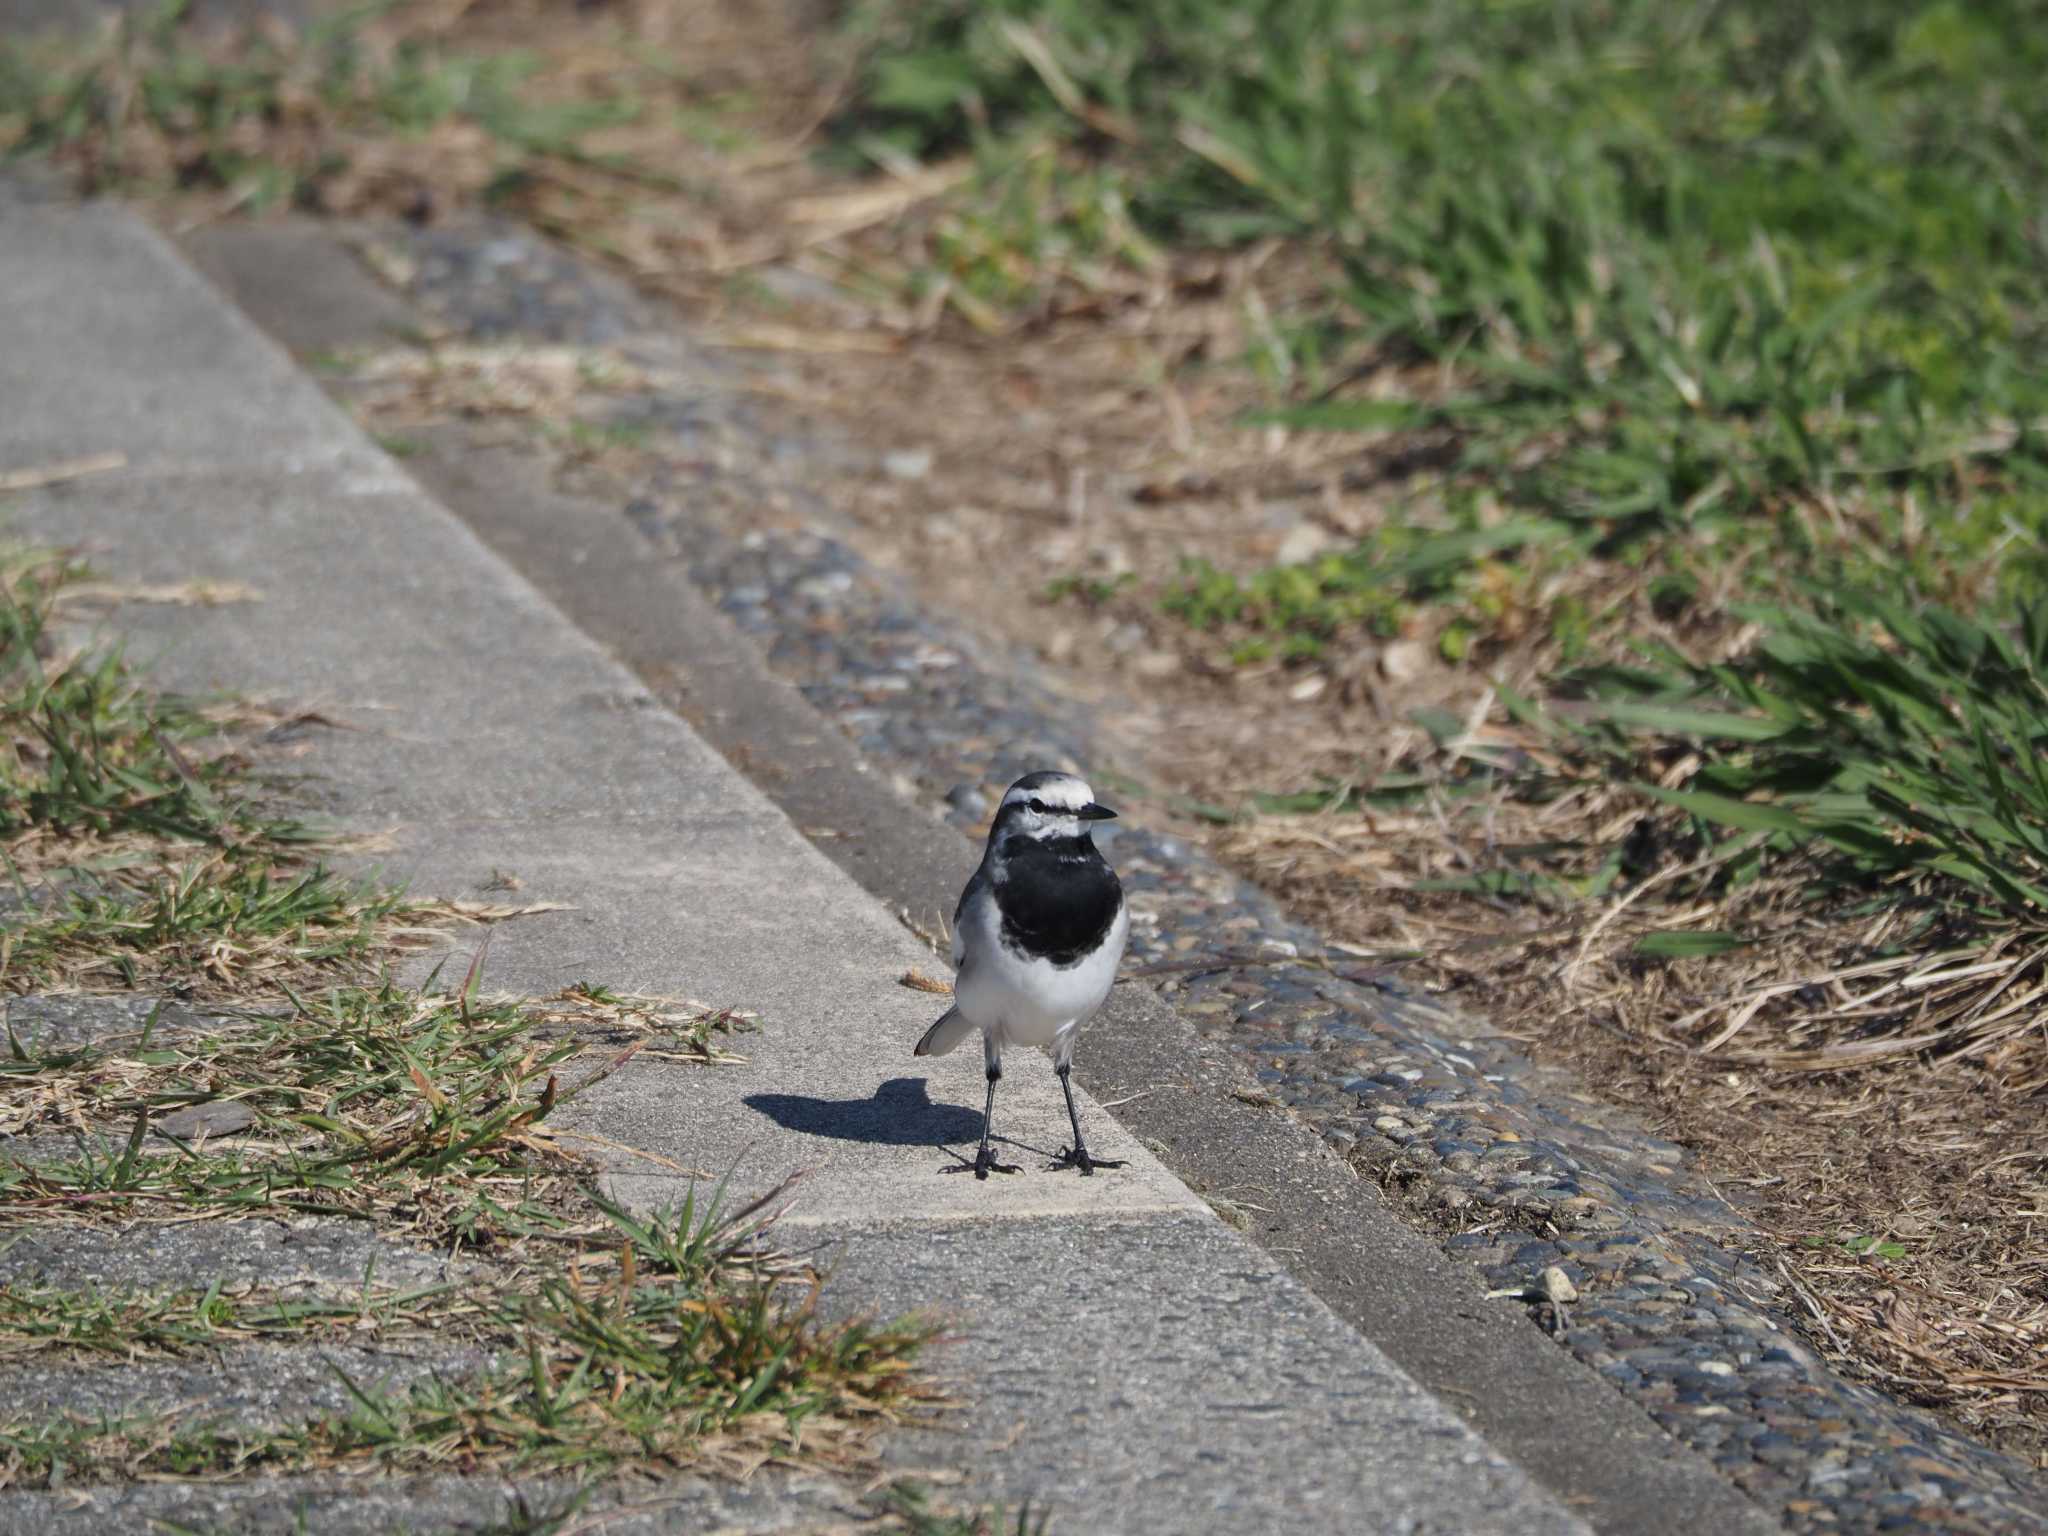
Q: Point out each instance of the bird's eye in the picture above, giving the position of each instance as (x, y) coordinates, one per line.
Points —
(1038, 806)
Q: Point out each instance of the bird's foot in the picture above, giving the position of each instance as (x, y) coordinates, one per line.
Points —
(985, 1164)
(1078, 1157)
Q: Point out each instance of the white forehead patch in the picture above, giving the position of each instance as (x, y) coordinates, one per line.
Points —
(1065, 792)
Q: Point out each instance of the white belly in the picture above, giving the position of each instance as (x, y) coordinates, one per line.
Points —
(1033, 1002)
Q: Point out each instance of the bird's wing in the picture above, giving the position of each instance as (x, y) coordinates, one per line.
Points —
(947, 1032)
(976, 887)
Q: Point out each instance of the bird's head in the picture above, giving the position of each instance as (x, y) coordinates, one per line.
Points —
(1047, 805)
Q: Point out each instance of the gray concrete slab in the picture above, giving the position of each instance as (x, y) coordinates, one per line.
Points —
(745, 914)
(590, 561)
(1065, 1336)
(451, 674)
(307, 1257)
(303, 274)
(342, 1505)
(178, 381)
(47, 1024)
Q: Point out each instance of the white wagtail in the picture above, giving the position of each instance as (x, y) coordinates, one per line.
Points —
(1036, 941)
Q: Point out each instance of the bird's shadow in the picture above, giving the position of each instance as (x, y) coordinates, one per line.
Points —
(899, 1114)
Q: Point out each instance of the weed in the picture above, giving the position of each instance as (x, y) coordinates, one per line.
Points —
(86, 754)
(315, 121)
(1904, 743)
(673, 1349)
(129, 1324)
(1672, 279)
(226, 919)
(414, 1109)
(133, 830)
(910, 1506)
(1092, 591)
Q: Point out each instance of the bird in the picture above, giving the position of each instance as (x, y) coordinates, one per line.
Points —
(1037, 937)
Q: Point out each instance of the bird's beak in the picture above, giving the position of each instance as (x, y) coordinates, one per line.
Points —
(1093, 812)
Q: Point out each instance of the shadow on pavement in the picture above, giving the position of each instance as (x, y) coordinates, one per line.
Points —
(900, 1114)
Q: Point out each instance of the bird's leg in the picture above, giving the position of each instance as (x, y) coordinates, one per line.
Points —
(985, 1160)
(1077, 1156)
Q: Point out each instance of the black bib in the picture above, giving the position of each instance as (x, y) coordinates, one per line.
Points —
(1058, 898)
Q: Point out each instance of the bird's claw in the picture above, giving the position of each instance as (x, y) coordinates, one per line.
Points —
(1078, 1157)
(985, 1164)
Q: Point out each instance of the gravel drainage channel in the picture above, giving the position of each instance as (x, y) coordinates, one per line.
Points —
(1666, 1291)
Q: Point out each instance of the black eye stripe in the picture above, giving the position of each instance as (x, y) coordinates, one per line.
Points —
(1037, 805)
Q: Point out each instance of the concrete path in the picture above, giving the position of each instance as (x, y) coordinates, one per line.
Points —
(1124, 1358)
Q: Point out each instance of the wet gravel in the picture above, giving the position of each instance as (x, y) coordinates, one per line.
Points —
(1671, 1308)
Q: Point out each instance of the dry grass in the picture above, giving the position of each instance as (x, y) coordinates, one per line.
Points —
(1882, 1115)
(621, 1343)
(150, 853)
(142, 833)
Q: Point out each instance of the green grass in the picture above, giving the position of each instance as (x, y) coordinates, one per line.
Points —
(1694, 315)
(1867, 757)
(284, 121)
(660, 1340)
(911, 1509)
(1674, 280)
(124, 1324)
(672, 1346)
(366, 1101)
(87, 752)
(137, 835)
(1893, 747)
(221, 918)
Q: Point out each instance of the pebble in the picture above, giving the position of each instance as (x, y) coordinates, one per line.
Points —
(968, 801)
(1663, 1303)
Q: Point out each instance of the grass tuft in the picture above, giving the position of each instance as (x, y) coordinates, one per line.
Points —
(425, 1113)
(138, 839)
(677, 1348)
(314, 1086)
(87, 754)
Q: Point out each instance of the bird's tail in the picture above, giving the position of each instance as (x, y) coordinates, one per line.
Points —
(951, 1028)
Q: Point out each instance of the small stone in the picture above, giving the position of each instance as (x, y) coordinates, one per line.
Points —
(221, 1117)
(1717, 1367)
(1388, 1125)
(907, 463)
(1303, 542)
(1556, 1285)
(968, 800)
(1402, 661)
